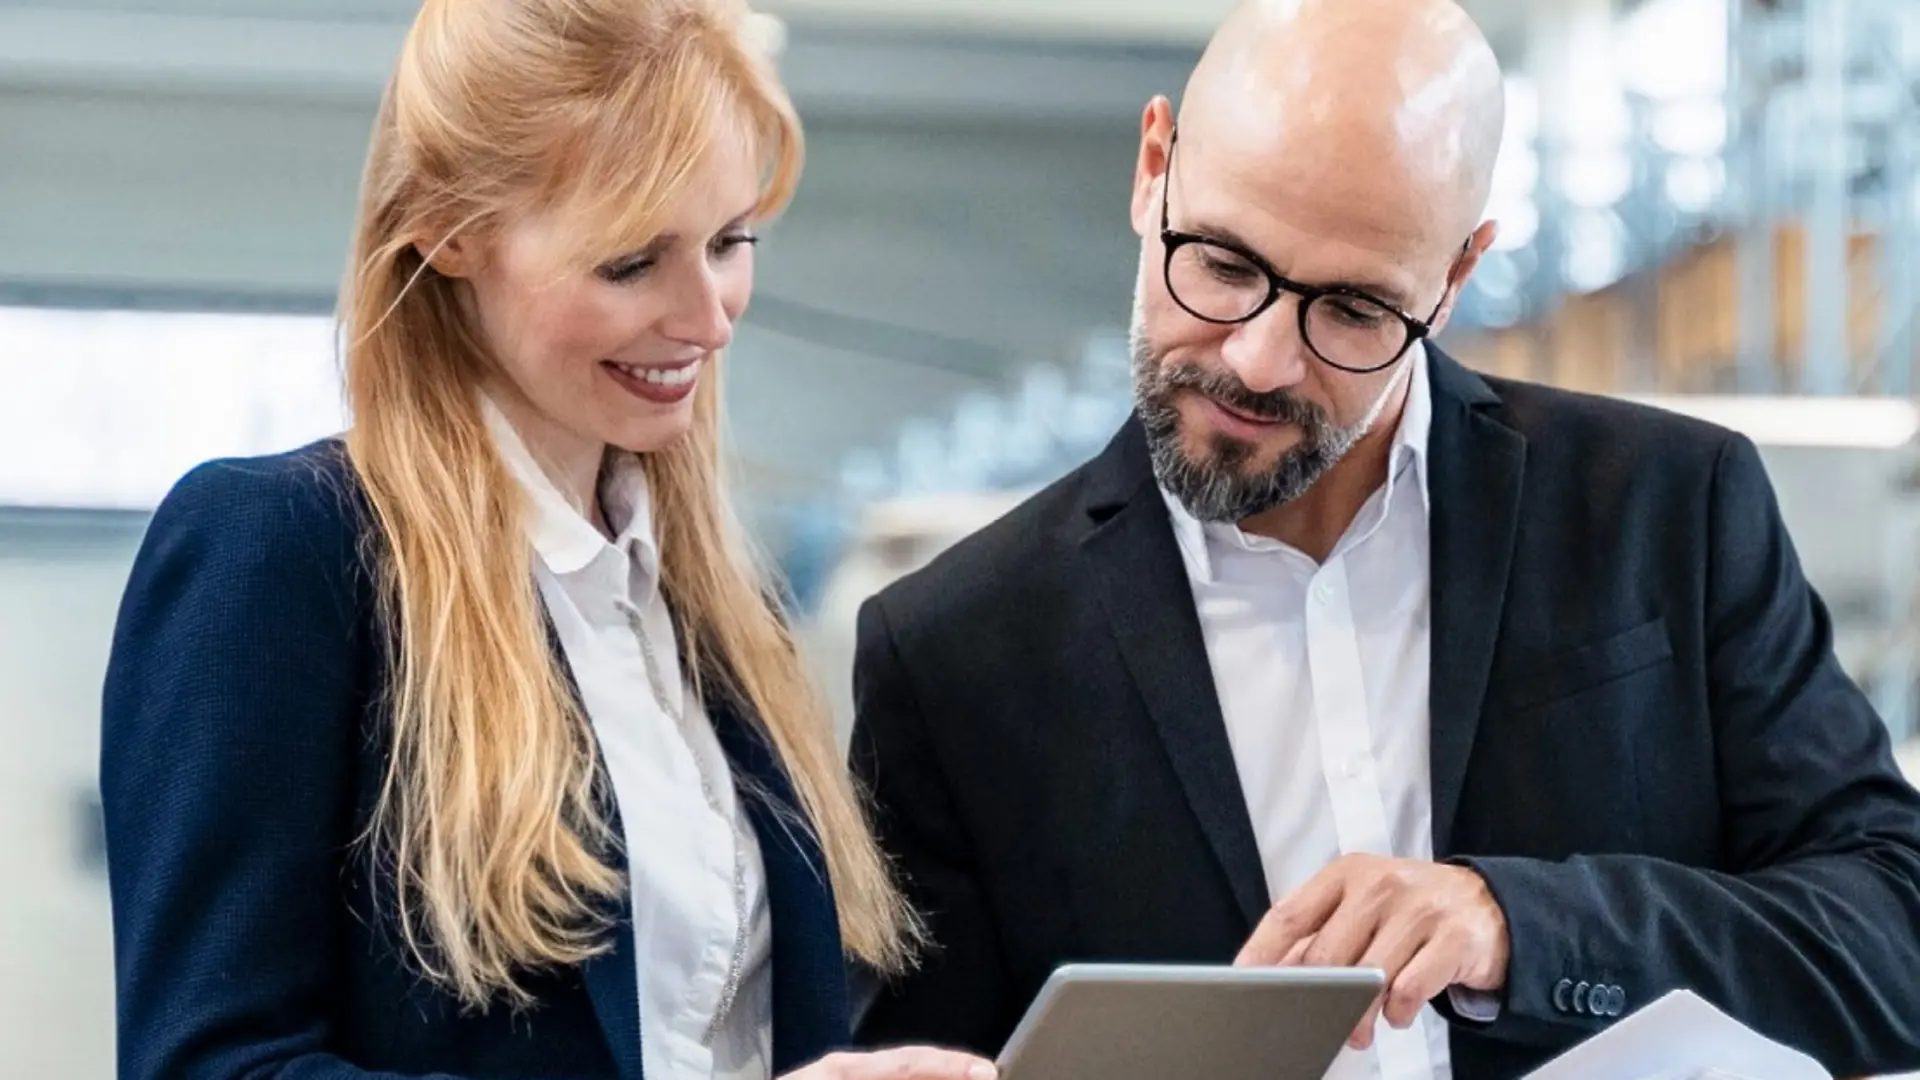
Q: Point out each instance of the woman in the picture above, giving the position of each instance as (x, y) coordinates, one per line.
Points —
(469, 745)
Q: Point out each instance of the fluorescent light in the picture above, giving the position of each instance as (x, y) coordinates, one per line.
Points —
(1519, 221)
(1694, 185)
(1691, 127)
(1671, 49)
(1839, 423)
(1516, 172)
(1523, 110)
(1596, 254)
(1596, 179)
(107, 409)
(1587, 109)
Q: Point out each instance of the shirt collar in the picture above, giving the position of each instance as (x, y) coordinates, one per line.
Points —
(1408, 459)
(1416, 427)
(561, 533)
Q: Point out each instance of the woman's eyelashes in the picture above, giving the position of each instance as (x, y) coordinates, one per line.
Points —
(619, 273)
(728, 243)
(635, 267)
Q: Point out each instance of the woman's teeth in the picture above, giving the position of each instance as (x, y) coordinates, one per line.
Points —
(679, 376)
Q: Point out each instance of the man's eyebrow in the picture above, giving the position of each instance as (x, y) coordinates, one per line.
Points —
(1379, 290)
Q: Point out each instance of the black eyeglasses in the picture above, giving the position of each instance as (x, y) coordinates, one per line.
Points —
(1220, 282)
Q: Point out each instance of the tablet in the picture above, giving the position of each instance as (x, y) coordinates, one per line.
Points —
(1155, 1022)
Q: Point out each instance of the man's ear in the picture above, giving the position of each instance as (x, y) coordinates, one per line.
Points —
(1477, 245)
(1156, 142)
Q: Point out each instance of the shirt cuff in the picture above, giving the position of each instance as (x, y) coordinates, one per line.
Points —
(1475, 1005)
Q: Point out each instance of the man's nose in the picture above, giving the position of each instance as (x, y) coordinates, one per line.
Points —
(1267, 352)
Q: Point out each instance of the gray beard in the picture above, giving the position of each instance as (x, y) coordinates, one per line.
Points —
(1219, 487)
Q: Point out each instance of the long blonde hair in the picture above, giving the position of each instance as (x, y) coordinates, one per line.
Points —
(492, 825)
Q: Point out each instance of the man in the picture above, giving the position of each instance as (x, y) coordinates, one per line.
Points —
(1341, 654)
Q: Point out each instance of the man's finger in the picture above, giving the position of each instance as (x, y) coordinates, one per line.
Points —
(1296, 956)
(1296, 917)
(1396, 943)
(1362, 1036)
(1348, 933)
(1425, 977)
(1398, 940)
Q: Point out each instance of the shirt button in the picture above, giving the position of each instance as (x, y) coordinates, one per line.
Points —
(1351, 770)
(1323, 592)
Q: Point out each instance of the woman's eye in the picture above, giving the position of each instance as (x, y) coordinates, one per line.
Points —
(620, 273)
(633, 269)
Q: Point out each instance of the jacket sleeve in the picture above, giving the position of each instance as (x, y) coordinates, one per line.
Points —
(1810, 930)
(230, 720)
(957, 995)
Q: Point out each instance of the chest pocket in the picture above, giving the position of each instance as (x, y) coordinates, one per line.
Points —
(1560, 675)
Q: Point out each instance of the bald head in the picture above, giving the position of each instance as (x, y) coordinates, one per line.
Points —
(1397, 101)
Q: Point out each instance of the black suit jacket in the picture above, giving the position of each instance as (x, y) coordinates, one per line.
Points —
(1640, 737)
(243, 747)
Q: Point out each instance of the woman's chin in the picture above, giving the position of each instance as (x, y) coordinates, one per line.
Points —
(651, 434)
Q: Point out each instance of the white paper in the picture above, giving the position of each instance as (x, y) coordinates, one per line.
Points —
(1680, 1037)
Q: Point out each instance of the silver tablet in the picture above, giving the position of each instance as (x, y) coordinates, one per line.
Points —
(1154, 1022)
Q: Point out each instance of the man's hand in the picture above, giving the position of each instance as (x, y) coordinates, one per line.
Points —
(903, 1063)
(1428, 926)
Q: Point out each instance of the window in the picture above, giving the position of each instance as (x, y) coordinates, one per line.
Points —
(106, 409)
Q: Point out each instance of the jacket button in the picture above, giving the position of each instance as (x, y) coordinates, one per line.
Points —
(1560, 991)
(1616, 1001)
(1580, 991)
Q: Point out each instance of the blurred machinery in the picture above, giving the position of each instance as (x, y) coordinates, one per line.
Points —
(894, 538)
(1709, 196)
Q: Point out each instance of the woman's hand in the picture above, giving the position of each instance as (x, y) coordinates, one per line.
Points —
(906, 1063)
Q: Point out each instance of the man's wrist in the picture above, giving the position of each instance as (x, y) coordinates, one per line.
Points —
(1496, 947)
(1474, 1006)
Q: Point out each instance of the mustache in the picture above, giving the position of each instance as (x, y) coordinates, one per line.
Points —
(1276, 406)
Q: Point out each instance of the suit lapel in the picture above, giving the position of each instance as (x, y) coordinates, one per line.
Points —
(1475, 471)
(612, 978)
(810, 996)
(1136, 565)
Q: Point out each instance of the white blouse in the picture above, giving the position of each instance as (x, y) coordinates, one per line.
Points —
(693, 860)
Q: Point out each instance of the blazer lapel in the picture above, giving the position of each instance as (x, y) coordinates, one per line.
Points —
(1475, 471)
(1136, 565)
(612, 978)
(811, 1009)
(810, 996)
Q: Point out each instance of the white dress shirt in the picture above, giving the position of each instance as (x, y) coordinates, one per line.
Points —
(1322, 673)
(680, 853)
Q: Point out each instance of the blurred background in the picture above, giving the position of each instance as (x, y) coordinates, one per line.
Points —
(1714, 204)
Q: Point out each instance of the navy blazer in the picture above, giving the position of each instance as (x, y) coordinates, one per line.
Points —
(243, 746)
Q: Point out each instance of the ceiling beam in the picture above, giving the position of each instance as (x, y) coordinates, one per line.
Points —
(1186, 22)
(833, 70)
(156, 52)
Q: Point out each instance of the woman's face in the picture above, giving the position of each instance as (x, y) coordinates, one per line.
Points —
(612, 357)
